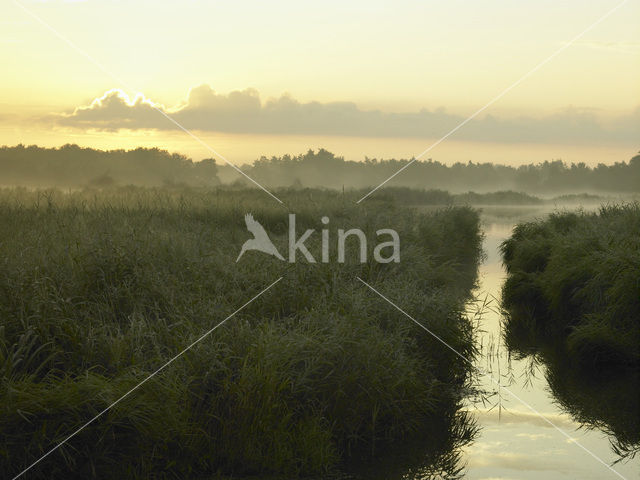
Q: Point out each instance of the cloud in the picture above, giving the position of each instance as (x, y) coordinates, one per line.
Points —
(245, 112)
(499, 454)
(534, 436)
(560, 420)
(518, 461)
(114, 111)
(622, 46)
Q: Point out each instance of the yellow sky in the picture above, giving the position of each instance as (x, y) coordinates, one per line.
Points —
(391, 56)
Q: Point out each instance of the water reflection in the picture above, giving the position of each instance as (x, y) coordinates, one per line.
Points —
(607, 401)
(516, 443)
(434, 454)
(507, 440)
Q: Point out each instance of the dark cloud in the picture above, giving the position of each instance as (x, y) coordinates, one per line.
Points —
(244, 112)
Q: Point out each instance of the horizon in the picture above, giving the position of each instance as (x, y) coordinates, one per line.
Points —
(530, 159)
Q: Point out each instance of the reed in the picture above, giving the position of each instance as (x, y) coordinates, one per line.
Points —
(98, 288)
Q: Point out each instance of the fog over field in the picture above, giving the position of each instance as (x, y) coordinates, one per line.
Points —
(71, 166)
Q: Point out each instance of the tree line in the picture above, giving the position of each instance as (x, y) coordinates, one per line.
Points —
(324, 169)
(74, 166)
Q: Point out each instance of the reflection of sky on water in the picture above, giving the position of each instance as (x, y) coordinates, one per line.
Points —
(514, 442)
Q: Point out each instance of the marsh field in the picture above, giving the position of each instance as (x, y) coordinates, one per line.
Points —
(99, 290)
(435, 366)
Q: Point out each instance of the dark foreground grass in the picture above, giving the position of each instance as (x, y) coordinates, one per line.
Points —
(575, 277)
(99, 289)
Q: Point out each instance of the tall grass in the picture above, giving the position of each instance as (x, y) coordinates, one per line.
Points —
(100, 288)
(572, 299)
(574, 276)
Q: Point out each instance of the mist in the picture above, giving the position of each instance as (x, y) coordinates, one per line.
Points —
(71, 166)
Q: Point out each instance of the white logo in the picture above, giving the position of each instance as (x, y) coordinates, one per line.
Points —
(263, 243)
(260, 240)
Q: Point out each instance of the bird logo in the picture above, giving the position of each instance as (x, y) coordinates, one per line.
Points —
(260, 240)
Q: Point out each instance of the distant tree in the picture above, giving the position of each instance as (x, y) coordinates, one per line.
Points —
(74, 166)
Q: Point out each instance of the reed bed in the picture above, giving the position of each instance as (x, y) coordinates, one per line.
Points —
(98, 288)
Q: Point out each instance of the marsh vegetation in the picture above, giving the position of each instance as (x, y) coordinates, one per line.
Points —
(100, 288)
(574, 276)
(572, 302)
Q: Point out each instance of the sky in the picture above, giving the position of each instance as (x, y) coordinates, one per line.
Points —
(376, 79)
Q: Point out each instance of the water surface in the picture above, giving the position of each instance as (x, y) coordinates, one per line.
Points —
(514, 441)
